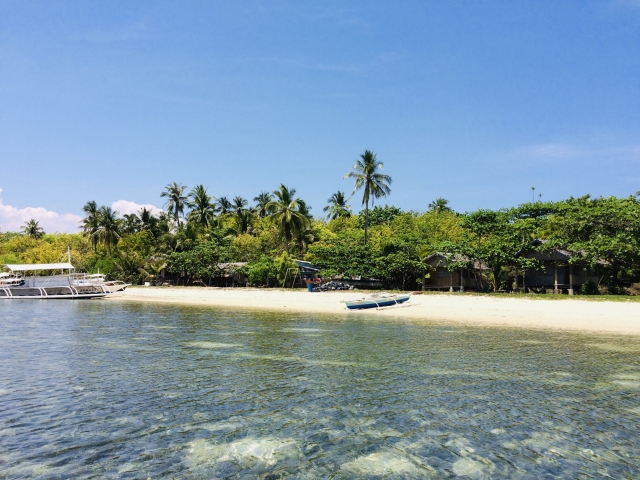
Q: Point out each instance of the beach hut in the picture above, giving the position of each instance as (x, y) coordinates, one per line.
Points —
(231, 275)
(557, 273)
(441, 277)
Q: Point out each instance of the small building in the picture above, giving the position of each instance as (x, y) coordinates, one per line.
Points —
(557, 273)
(441, 278)
(231, 276)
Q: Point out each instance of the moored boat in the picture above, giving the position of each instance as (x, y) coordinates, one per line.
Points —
(61, 283)
(377, 300)
(110, 286)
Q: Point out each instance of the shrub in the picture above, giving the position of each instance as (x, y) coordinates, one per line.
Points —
(589, 288)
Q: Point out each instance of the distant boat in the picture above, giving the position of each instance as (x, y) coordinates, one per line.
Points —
(69, 285)
(111, 286)
(377, 300)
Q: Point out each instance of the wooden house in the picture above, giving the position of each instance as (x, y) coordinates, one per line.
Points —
(441, 278)
(557, 273)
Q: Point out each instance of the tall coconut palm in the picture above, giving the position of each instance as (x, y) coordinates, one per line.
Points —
(239, 205)
(375, 184)
(439, 205)
(262, 201)
(130, 224)
(176, 200)
(287, 215)
(109, 231)
(224, 205)
(337, 206)
(33, 229)
(91, 223)
(244, 221)
(203, 209)
(147, 220)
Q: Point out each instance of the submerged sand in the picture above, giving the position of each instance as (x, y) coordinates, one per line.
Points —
(570, 314)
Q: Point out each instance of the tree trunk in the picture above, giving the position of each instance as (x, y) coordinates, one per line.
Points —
(366, 221)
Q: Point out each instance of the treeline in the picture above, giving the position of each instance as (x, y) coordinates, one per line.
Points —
(196, 233)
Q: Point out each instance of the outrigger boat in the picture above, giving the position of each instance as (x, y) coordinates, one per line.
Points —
(377, 300)
(111, 286)
(68, 285)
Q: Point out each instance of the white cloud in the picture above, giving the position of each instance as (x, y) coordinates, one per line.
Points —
(12, 219)
(124, 207)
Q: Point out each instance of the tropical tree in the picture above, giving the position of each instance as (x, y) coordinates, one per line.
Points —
(33, 229)
(91, 223)
(337, 206)
(239, 205)
(439, 205)
(148, 221)
(262, 201)
(109, 230)
(130, 224)
(244, 221)
(202, 207)
(176, 200)
(375, 185)
(224, 205)
(287, 215)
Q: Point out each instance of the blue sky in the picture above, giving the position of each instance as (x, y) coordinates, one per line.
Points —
(472, 101)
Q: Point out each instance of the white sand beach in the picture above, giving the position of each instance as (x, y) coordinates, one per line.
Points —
(569, 314)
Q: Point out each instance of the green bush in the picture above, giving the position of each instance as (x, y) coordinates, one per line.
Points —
(589, 288)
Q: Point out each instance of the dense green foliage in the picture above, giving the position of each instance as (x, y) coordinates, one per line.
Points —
(197, 233)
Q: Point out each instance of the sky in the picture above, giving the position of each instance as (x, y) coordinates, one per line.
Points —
(476, 102)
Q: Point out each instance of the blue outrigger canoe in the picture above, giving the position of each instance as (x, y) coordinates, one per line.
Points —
(377, 300)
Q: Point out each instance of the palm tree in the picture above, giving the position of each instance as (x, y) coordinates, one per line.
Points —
(337, 206)
(287, 214)
(33, 229)
(202, 208)
(262, 201)
(439, 205)
(224, 205)
(176, 201)
(244, 221)
(109, 231)
(91, 223)
(376, 185)
(147, 220)
(130, 223)
(239, 204)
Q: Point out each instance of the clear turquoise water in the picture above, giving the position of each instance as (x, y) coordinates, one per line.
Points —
(97, 389)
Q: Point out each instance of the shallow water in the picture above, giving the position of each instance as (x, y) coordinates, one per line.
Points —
(97, 389)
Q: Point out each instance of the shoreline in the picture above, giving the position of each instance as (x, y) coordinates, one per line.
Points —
(574, 315)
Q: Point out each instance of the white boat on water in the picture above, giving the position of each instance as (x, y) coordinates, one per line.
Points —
(111, 286)
(62, 282)
(10, 279)
(378, 300)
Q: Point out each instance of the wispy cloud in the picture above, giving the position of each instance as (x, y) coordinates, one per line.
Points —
(347, 68)
(12, 219)
(118, 33)
(569, 151)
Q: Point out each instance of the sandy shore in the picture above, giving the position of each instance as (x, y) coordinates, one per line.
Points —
(581, 315)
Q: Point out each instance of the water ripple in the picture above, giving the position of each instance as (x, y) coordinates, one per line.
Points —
(106, 390)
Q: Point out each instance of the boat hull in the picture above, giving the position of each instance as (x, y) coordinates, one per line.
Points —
(377, 303)
(51, 293)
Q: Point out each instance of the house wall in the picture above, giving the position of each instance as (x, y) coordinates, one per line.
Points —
(441, 277)
(546, 278)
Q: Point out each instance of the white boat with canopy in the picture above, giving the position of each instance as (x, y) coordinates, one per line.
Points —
(30, 281)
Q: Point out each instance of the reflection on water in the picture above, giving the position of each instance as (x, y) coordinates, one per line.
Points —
(101, 389)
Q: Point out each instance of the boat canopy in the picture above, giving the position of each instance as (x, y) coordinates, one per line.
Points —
(40, 266)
